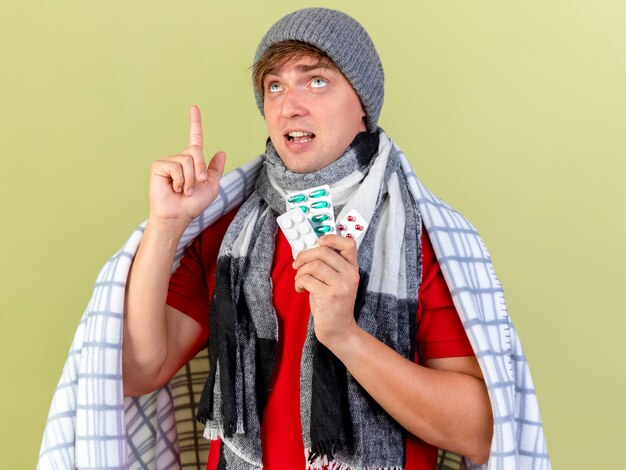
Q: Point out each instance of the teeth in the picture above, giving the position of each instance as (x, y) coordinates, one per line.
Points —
(299, 134)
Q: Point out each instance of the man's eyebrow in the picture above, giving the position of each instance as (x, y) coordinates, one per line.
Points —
(302, 68)
(308, 68)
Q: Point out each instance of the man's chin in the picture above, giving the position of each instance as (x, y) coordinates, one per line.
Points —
(301, 167)
(304, 162)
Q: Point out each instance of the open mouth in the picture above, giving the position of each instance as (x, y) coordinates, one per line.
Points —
(299, 137)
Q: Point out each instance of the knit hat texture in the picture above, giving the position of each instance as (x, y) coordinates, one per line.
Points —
(345, 41)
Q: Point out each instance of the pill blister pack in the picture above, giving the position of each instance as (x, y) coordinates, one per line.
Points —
(310, 216)
(297, 230)
(353, 225)
(316, 204)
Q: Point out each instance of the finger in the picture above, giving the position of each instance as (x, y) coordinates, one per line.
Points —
(195, 127)
(325, 254)
(346, 247)
(187, 167)
(170, 169)
(187, 164)
(320, 271)
(200, 168)
(340, 260)
(310, 284)
(216, 167)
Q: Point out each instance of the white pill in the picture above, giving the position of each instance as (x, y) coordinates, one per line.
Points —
(304, 228)
(298, 216)
(298, 245)
(310, 240)
(292, 234)
(286, 223)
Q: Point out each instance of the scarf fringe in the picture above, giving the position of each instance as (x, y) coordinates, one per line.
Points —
(212, 433)
(335, 465)
(325, 448)
(319, 462)
(314, 461)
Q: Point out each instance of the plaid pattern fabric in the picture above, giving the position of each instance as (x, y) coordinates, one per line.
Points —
(518, 437)
(92, 426)
(447, 460)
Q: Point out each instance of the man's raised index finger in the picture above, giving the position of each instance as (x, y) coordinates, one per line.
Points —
(195, 126)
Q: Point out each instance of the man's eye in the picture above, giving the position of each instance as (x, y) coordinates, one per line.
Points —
(318, 82)
(274, 87)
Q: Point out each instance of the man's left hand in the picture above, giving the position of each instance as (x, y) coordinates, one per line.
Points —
(330, 273)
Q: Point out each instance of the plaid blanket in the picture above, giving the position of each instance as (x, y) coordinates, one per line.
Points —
(91, 425)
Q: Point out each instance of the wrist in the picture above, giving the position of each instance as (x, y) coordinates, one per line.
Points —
(168, 226)
(163, 234)
(345, 343)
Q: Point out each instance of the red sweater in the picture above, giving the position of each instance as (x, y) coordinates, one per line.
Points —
(439, 334)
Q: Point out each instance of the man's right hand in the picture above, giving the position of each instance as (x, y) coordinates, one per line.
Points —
(158, 339)
(182, 186)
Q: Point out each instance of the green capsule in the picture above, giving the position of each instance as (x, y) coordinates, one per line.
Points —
(305, 209)
(320, 218)
(323, 229)
(318, 193)
(320, 205)
(297, 198)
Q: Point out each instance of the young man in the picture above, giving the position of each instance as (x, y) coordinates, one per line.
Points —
(314, 117)
(352, 355)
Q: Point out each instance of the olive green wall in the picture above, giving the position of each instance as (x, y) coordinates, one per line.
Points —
(514, 112)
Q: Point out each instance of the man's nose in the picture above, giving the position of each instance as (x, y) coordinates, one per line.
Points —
(294, 103)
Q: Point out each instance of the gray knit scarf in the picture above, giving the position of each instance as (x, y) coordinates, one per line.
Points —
(343, 427)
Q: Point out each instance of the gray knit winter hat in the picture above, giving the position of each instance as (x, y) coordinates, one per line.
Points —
(345, 41)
